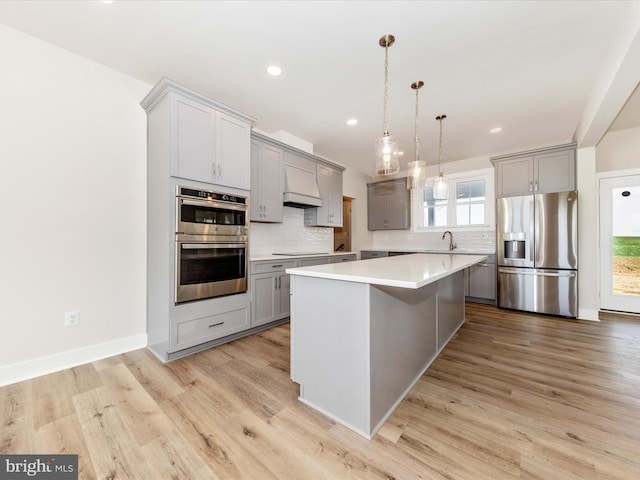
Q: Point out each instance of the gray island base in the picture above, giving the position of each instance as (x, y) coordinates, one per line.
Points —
(363, 333)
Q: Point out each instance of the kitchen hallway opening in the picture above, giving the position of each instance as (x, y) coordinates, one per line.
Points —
(342, 235)
(620, 243)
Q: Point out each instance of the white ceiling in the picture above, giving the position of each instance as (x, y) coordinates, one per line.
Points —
(527, 66)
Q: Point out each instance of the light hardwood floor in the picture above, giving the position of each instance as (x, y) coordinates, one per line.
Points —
(511, 396)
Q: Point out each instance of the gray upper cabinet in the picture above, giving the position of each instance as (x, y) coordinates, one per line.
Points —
(330, 187)
(388, 205)
(207, 141)
(541, 171)
(266, 181)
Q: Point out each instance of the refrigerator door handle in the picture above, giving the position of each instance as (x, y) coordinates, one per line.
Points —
(533, 233)
(539, 273)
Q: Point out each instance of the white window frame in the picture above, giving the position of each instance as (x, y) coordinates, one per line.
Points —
(417, 210)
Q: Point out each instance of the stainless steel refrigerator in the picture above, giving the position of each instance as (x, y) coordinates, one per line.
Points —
(537, 250)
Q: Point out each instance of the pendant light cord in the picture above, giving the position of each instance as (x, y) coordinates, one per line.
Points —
(386, 90)
(416, 132)
(440, 118)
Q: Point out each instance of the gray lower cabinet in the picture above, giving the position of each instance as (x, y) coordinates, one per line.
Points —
(196, 325)
(388, 205)
(270, 285)
(270, 288)
(343, 258)
(541, 171)
(311, 261)
(266, 181)
(366, 254)
(481, 281)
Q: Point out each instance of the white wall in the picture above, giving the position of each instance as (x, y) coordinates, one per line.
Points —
(72, 191)
(587, 234)
(619, 150)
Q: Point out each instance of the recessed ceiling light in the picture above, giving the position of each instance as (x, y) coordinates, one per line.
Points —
(106, 1)
(495, 130)
(352, 121)
(274, 70)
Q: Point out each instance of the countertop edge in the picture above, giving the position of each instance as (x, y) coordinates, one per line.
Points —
(325, 271)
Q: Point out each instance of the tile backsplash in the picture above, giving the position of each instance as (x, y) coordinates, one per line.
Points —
(482, 241)
(290, 236)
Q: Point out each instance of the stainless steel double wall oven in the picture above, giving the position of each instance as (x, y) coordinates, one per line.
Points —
(211, 244)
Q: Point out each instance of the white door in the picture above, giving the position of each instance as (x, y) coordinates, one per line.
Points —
(620, 243)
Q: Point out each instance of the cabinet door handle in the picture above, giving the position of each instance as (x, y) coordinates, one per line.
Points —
(213, 169)
(216, 324)
(535, 188)
(530, 186)
(219, 171)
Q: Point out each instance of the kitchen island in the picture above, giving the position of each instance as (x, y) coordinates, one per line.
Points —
(362, 333)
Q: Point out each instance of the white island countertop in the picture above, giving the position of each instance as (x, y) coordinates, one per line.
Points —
(404, 271)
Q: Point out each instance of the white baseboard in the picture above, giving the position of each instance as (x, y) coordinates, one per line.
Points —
(19, 372)
(585, 314)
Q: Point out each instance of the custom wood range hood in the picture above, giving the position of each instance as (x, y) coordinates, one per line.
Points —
(300, 188)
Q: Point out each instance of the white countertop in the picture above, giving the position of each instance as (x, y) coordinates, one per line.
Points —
(405, 271)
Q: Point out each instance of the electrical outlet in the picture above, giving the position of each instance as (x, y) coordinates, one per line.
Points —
(71, 319)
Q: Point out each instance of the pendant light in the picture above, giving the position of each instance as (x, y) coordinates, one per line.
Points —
(417, 177)
(440, 183)
(386, 147)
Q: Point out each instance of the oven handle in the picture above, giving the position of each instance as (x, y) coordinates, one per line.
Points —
(209, 203)
(195, 246)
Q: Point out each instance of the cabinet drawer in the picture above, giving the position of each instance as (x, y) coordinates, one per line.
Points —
(365, 254)
(272, 266)
(310, 262)
(343, 258)
(201, 330)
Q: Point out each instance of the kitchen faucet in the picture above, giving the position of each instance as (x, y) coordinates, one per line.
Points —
(451, 244)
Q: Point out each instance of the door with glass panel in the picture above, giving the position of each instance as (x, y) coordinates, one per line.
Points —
(620, 243)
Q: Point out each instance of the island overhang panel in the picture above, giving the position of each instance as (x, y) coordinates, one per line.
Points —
(359, 342)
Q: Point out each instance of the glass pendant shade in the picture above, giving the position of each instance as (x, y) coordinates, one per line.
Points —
(386, 147)
(440, 183)
(417, 177)
(387, 156)
(440, 188)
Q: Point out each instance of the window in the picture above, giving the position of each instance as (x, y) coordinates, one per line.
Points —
(435, 211)
(470, 200)
(470, 206)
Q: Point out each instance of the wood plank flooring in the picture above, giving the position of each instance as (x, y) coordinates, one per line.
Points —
(512, 396)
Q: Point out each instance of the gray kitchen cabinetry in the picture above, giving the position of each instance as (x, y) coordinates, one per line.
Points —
(266, 181)
(270, 285)
(366, 254)
(330, 187)
(388, 205)
(197, 324)
(343, 258)
(481, 281)
(194, 141)
(541, 171)
(270, 288)
(207, 141)
(311, 261)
